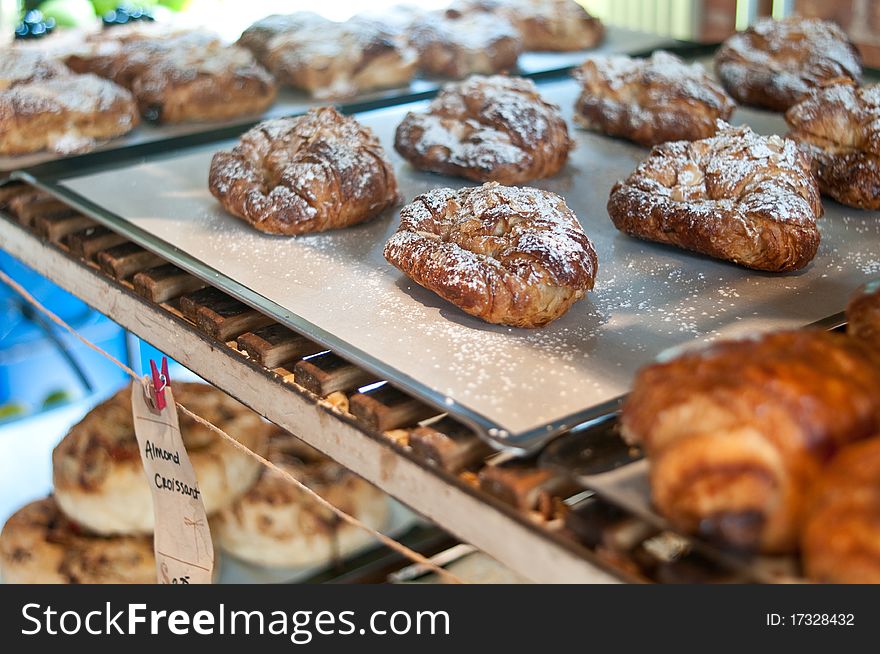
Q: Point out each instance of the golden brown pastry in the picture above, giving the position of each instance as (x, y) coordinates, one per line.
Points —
(337, 60)
(775, 63)
(736, 196)
(839, 124)
(840, 543)
(191, 76)
(544, 25)
(738, 433)
(19, 66)
(508, 255)
(306, 174)
(650, 101)
(256, 38)
(64, 114)
(97, 470)
(40, 545)
(863, 314)
(457, 45)
(277, 524)
(487, 129)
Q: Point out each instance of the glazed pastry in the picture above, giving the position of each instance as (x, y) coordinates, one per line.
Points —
(40, 545)
(508, 255)
(97, 470)
(487, 129)
(775, 63)
(548, 25)
(839, 124)
(64, 114)
(863, 314)
(455, 46)
(337, 60)
(840, 543)
(306, 174)
(738, 433)
(736, 196)
(184, 77)
(650, 101)
(277, 524)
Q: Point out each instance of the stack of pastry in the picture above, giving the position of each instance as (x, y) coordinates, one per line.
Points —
(97, 525)
(45, 106)
(772, 444)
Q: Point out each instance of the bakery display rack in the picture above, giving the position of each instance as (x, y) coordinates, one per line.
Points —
(536, 514)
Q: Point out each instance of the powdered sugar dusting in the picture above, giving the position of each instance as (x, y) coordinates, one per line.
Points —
(647, 297)
(484, 125)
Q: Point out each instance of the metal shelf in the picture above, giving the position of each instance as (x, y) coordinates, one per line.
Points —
(514, 537)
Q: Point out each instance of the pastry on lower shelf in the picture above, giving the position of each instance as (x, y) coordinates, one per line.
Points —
(455, 45)
(736, 196)
(99, 478)
(487, 129)
(863, 314)
(277, 524)
(775, 63)
(191, 76)
(737, 434)
(306, 174)
(840, 543)
(338, 60)
(544, 25)
(509, 255)
(18, 66)
(40, 545)
(650, 101)
(839, 124)
(65, 114)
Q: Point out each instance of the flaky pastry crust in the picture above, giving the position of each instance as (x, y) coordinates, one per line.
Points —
(487, 129)
(544, 25)
(839, 124)
(650, 101)
(775, 63)
(457, 45)
(738, 433)
(509, 255)
(306, 174)
(737, 196)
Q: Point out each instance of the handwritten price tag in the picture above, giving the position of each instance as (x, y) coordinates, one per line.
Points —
(184, 552)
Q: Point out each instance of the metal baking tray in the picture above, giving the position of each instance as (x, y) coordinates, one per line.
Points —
(292, 102)
(518, 388)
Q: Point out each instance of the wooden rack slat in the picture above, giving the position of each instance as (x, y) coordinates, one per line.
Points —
(385, 407)
(521, 484)
(56, 227)
(326, 373)
(93, 240)
(449, 445)
(221, 316)
(123, 261)
(275, 345)
(164, 283)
